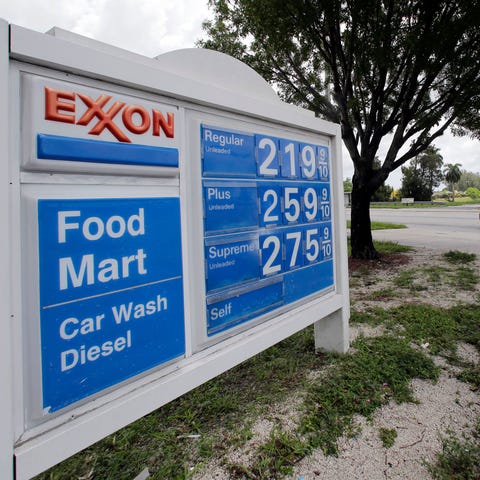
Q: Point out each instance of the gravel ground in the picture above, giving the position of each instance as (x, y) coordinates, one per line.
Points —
(446, 406)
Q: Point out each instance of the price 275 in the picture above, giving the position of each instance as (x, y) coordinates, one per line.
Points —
(295, 248)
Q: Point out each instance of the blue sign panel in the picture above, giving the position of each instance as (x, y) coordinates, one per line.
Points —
(228, 311)
(325, 209)
(231, 260)
(271, 253)
(54, 147)
(111, 295)
(282, 250)
(289, 152)
(310, 203)
(267, 151)
(270, 197)
(308, 161)
(230, 205)
(327, 245)
(323, 161)
(293, 245)
(292, 203)
(307, 281)
(227, 153)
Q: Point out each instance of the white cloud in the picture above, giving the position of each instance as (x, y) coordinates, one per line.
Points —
(462, 150)
(148, 27)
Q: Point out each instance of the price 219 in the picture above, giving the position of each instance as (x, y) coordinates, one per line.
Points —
(289, 159)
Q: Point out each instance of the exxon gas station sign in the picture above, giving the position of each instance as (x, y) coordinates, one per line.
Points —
(109, 268)
(161, 231)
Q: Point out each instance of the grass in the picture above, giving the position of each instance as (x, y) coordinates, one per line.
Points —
(385, 247)
(383, 294)
(465, 278)
(424, 324)
(456, 274)
(457, 257)
(444, 203)
(379, 370)
(459, 458)
(437, 329)
(406, 279)
(179, 439)
(387, 436)
(274, 457)
(391, 247)
(382, 225)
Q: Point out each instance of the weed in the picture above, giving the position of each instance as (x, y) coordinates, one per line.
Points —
(471, 375)
(382, 294)
(381, 225)
(457, 257)
(387, 436)
(459, 458)
(465, 278)
(406, 279)
(274, 458)
(391, 247)
(424, 324)
(467, 319)
(385, 247)
(374, 317)
(462, 277)
(435, 275)
(380, 370)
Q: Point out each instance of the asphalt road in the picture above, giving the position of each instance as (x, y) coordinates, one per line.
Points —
(445, 228)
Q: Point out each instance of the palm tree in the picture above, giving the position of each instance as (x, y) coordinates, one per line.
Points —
(452, 176)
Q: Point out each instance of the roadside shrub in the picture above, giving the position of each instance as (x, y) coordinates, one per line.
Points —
(443, 195)
(472, 192)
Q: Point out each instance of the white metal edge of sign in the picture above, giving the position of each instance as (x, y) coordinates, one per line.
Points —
(6, 370)
(52, 443)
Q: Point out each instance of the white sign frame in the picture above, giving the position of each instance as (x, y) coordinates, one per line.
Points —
(36, 448)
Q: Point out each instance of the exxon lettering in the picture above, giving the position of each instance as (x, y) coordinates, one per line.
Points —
(104, 114)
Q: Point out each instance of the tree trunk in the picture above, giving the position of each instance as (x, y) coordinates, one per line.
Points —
(361, 231)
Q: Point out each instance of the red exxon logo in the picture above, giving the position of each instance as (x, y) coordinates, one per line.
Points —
(60, 106)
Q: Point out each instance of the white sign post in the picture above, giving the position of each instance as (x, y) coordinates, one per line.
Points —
(164, 225)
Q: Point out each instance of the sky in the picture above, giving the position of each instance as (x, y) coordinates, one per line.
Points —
(152, 27)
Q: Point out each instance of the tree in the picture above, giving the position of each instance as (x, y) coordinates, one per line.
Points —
(382, 194)
(452, 174)
(384, 191)
(401, 70)
(347, 185)
(422, 175)
(468, 179)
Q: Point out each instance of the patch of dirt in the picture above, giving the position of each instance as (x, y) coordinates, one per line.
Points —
(386, 261)
(423, 276)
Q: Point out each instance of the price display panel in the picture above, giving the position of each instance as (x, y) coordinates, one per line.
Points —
(267, 223)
